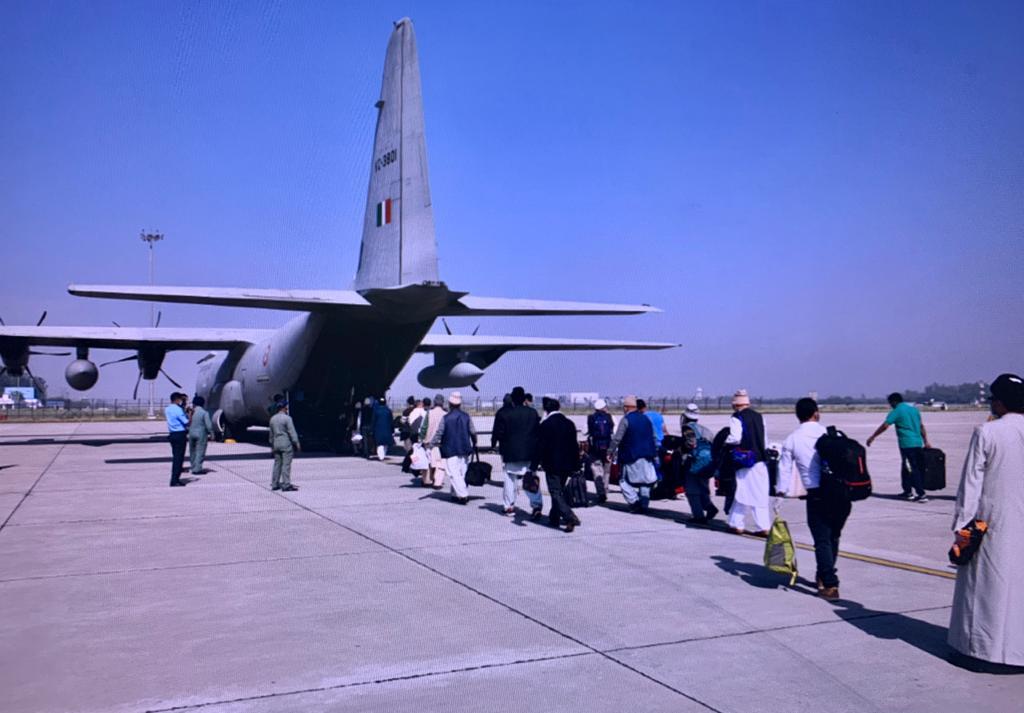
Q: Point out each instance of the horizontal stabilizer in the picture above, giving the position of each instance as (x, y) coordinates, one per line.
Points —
(467, 343)
(169, 338)
(471, 305)
(297, 300)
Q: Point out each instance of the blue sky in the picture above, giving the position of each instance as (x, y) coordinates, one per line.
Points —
(821, 196)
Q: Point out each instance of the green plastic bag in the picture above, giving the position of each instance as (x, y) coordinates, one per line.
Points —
(779, 552)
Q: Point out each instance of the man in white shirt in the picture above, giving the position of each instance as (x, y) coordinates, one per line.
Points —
(826, 515)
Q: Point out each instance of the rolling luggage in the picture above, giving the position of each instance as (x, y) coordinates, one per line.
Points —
(934, 469)
(576, 490)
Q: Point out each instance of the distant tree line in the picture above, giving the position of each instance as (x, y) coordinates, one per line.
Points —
(966, 393)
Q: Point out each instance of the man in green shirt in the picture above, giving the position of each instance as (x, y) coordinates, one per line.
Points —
(912, 439)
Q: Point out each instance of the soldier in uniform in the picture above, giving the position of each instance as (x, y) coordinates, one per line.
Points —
(284, 441)
(200, 428)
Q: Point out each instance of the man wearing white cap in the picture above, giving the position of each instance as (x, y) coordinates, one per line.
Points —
(698, 469)
(456, 437)
(636, 447)
(600, 427)
(746, 436)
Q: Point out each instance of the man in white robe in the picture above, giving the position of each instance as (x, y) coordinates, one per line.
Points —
(746, 432)
(987, 621)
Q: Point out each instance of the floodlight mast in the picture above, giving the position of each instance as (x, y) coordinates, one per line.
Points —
(151, 239)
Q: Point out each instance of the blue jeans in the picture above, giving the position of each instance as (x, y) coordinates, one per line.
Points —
(912, 470)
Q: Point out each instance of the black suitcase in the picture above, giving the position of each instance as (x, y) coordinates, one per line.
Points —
(934, 469)
(576, 490)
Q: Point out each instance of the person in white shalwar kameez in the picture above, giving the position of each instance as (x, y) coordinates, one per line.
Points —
(987, 620)
(752, 484)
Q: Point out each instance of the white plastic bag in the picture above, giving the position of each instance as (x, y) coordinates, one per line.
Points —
(419, 459)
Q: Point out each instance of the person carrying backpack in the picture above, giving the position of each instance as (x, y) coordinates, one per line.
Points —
(826, 512)
(699, 466)
(600, 427)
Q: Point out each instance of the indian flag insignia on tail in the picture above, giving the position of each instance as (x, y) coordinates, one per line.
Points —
(384, 212)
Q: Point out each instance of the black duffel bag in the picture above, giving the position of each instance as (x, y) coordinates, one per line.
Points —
(477, 473)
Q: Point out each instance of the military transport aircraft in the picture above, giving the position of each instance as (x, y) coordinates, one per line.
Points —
(344, 345)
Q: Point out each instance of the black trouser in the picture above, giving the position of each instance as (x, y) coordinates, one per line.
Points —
(825, 520)
(178, 439)
(560, 510)
(912, 470)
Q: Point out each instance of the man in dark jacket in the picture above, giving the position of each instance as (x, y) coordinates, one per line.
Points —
(635, 446)
(515, 435)
(558, 452)
(456, 436)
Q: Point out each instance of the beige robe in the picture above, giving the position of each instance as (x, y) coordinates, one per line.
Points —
(987, 621)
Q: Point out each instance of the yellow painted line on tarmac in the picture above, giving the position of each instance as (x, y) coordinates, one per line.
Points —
(881, 561)
(895, 564)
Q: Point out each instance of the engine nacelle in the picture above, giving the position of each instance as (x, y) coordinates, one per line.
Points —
(81, 374)
(450, 376)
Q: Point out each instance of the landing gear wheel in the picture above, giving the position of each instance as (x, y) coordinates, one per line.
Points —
(221, 428)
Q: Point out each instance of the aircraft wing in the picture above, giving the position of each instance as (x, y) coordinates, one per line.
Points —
(470, 305)
(169, 338)
(466, 343)
(296, 300)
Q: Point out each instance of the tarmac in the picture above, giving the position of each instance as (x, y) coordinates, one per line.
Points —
(363, 592)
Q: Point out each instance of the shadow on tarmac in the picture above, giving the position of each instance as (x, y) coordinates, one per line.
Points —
(757, 575)
(95, 442)
(922, 635)
(894, 496)
(930, 638)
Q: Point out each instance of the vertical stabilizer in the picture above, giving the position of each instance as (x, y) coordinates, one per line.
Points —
(399, 246)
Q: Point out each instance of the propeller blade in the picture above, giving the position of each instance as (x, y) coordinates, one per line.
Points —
(2, 322)
(41, 319)
(133, 357)
(33, 378)
(168, 377)
(475, 331)
(446, 327)
(159, 316)
(135, 393)
(474, 387)
(115, 323)
(50, 353)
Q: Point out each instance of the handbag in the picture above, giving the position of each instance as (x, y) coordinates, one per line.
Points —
(531, 482)
(419, 460)
(477, 472)
(742, 458)
(974, 532)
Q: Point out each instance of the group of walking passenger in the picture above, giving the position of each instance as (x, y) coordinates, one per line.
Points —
(440, 441)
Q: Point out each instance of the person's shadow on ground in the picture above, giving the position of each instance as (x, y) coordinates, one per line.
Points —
(757, 575)
(930, 638)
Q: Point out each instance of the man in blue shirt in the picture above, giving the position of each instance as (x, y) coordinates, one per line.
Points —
(912, 439)
(177, 434)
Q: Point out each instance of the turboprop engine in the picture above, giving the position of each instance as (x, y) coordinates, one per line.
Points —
(81, 374)
(449, 376)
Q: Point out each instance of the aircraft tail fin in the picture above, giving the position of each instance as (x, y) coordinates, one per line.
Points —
(399, 246)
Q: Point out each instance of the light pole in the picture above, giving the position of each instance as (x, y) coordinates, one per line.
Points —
(151, 239)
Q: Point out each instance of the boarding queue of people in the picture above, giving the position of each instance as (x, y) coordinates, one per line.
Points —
(440, 441)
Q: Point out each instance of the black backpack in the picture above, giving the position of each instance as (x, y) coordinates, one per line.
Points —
(844, 467)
